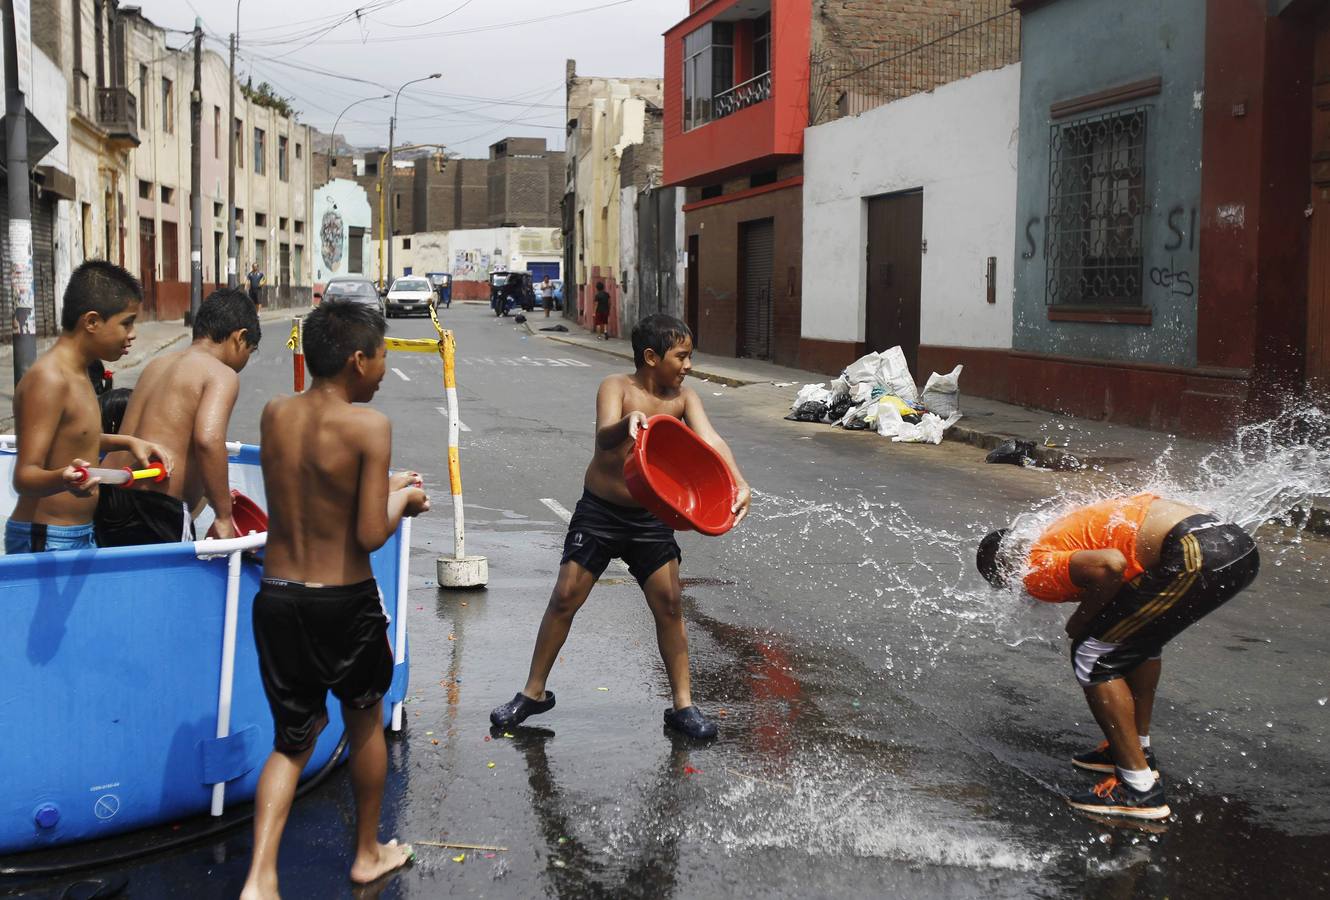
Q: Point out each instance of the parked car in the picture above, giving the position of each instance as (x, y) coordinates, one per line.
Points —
(509, 289)
(354, 288)
(409, 295)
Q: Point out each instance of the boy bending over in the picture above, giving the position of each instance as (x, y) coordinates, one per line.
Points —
(183, 401)
(609, 523)
(319, 623)
(1141, 569)
(59, 421)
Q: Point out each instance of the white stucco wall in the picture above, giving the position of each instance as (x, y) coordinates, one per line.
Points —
(959, 144)
(340, 205)
(471, 254)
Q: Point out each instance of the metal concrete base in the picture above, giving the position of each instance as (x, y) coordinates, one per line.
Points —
(467, 572)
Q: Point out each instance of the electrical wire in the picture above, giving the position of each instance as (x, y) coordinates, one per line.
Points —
(450, 12)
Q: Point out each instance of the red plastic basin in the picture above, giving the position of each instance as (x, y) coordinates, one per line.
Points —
(247, 515)
(678, 476)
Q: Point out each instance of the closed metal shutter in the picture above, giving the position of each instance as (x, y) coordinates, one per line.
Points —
(757, 249)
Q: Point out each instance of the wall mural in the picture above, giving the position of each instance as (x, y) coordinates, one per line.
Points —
(332, 239)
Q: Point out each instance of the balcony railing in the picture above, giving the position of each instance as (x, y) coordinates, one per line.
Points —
(118, 113)
(986, 35)
(742, 96)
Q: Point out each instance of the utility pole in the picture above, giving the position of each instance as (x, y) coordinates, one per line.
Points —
(231, 168)
(18, 255)
(196, 177)
(388, 181)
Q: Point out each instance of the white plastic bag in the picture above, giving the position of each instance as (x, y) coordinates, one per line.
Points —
(863, 369)
(839, 388)
(810, 393)
(893, 374)
(942, 393)
(928, 431)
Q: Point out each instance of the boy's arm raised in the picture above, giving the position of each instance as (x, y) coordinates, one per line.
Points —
(379, 512)
(36, 421)
(612, 426)
(209, 438)
(696, 418)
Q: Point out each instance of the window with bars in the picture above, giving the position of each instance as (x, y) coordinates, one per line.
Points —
(1096, 210)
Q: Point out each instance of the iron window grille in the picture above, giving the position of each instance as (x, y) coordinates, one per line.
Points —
(1096, 210)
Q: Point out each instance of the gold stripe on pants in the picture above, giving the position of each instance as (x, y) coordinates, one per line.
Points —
(1177, 588)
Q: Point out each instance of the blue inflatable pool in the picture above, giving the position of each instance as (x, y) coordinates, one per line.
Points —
(129, 685)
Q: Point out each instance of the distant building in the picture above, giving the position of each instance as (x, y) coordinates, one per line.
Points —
(470, 255)
(342, 243)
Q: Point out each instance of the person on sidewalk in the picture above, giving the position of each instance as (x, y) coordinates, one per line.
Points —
(1141, 569)
(183, 401)
(609, 523)
(256, 278)
(319, 624)
(58, 421)
(601, 320)
(547, 295)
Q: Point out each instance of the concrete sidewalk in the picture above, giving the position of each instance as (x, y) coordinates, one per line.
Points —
(150, 339)
(1061, 442)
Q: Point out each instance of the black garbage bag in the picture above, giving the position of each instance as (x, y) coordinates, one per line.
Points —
(837, 410)
(519, 318)
(1018, 453)
(857, 425)
(555, 328)
(812, 411)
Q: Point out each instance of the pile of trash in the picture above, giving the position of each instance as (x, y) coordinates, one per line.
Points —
(877, 393)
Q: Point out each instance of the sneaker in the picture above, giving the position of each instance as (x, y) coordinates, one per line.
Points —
(516, 710)
(1111, 797)
(691, 722)
(1100, 759)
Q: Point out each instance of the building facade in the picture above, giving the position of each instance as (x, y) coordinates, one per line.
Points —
(651, 264)
(470, 255)
(341, 237)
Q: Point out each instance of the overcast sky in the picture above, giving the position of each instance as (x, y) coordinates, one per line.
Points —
(502, 72)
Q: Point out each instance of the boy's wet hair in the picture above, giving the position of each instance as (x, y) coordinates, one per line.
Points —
(226, 311)
(335, 330)
(114, 403)
(659, 332)
(600, 285)
(989, 560)
(101, 287)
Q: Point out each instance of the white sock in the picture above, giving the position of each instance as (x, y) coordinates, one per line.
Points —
(1140, 779)
(1145, 740)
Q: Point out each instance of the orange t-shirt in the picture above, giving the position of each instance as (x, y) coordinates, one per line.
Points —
(1109, 524)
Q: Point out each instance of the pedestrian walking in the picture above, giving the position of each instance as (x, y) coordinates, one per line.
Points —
(256, 278)
(609, 523)
(547, 295)
(602, 315)
(1142, 569)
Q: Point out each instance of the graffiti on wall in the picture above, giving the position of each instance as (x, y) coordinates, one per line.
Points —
(332, 239)
(476, 265)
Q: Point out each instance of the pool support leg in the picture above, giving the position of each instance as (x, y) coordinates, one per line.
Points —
(228, 666)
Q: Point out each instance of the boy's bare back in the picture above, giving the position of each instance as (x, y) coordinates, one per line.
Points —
(55, 400)
(620, 395)
(180, 399)
(325, 470)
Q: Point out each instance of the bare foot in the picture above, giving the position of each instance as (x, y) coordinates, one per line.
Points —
(258, 889)
(385, 858)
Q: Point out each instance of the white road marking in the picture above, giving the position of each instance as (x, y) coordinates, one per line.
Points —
(443, 411)
(558, 509)
(400, 374)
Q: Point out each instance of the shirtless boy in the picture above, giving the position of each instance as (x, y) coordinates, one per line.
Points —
(1141, 569)
(183, 402)
(609, 523)
(319, 623)
(59, 422)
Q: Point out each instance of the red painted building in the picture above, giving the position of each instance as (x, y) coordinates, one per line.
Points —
(736, 105)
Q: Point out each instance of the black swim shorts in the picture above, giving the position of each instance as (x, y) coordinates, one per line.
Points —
(600, 531)
(1203, 564)
(312, 640)
(126, 518)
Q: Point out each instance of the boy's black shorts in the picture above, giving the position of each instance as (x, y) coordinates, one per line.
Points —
(1203, 563)
(600, 531)
(312, 640)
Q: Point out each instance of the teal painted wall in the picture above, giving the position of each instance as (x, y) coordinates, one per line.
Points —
(1071, 48)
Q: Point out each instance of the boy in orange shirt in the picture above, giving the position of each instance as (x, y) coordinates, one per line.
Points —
(1141, 569)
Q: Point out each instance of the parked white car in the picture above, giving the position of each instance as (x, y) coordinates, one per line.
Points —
(409, 295)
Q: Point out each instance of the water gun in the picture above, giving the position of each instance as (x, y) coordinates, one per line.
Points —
(121, 477)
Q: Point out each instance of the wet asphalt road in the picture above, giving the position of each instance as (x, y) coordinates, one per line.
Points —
(889, 727)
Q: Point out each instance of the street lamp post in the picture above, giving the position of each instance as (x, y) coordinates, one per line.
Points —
(332, 140)
(389, 180)
(231, 167)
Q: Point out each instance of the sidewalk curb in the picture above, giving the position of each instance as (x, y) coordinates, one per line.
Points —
(727, 380)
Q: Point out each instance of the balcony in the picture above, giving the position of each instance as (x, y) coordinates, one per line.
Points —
(741, 96)
(118, 114)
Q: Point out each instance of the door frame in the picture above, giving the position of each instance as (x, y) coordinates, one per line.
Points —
(693, 287)
(866, 273)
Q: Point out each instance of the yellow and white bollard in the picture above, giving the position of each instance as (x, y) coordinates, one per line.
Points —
(459, 570)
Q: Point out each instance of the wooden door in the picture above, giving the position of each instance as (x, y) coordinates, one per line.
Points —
(1318, 275)
(148, 266)
(756, 258)
(895, 240)
(692, 288)
(170, 251)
